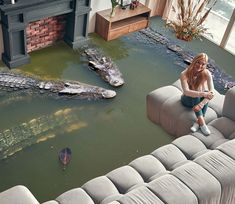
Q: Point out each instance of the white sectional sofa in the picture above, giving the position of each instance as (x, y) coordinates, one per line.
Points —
(192, 169)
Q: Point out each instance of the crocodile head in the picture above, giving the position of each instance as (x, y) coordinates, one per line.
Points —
(71, 88)
(114, 77)
(116, 81)
(108, 94)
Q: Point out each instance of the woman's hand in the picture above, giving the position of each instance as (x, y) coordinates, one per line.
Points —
(209, 95)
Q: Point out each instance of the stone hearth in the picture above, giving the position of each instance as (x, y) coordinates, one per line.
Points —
(23, 31)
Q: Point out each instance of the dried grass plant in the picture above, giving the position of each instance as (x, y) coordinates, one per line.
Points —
(190, 16)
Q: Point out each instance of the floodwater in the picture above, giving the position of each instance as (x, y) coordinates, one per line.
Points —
(102, 134)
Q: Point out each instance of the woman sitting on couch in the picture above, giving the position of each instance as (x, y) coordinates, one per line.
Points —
(198, 87)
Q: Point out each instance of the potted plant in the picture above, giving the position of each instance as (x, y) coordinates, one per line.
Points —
(114, 4)
(190, 15)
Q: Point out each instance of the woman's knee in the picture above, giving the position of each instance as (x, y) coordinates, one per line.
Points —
(189, 101)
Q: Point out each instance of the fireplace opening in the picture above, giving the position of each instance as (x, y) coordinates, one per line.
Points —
(45, 32)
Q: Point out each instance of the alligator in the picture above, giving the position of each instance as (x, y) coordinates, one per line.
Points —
(222, 80)
(38, 130)
(104, 67)
(11, 81)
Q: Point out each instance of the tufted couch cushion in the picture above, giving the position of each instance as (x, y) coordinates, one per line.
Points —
(148, 167)
(72, 196)
(228, 108)
(17, 195)
(171, 190)
(221, 166)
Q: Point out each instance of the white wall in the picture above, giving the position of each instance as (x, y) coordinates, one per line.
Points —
(97, 5)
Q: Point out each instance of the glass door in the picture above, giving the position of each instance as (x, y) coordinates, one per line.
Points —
(220, 24)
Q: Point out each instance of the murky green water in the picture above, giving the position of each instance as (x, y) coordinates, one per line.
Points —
(103, 134)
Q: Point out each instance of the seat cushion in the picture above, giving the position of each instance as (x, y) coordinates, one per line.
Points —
(210, 141)
(156, 98)
(99, 188)
(170, 185)
(221, 166)
(140, 195)
(204, 185)
(228, 148)
(224, 125)
(124, 178)
(170, 156)
(190, 146)
(148, 166)
(228, 108)
(73, 196)
(17, 194)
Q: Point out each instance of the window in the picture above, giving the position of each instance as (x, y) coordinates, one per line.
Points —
(220, 23)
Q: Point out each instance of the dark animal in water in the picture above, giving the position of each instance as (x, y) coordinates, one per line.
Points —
(10, 81)
(104, 66)
(65, 156)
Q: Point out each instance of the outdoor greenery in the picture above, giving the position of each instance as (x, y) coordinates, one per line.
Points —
(189, 18)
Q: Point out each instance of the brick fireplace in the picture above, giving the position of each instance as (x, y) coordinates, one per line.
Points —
(45, 32)
(29, 25)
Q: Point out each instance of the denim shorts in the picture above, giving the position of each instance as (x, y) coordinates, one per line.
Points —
(190, 102)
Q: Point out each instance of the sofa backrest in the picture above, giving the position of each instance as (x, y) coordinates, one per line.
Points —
(229, 104)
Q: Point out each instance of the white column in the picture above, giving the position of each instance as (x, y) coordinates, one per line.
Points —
(228, 30)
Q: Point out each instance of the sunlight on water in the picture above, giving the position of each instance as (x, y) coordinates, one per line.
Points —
(45, 138)
(75, 126)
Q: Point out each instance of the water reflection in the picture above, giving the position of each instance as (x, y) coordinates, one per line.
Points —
(60, 57)
(121, 49)
(11, 98)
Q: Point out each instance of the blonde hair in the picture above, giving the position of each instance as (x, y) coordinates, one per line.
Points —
(201, 76)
